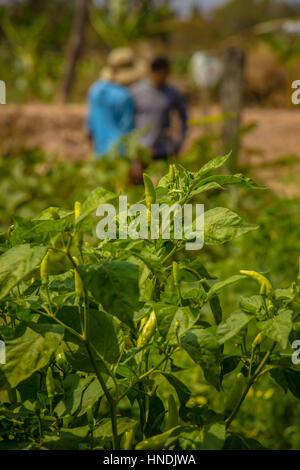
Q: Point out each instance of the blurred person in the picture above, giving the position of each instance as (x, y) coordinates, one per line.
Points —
(110, 104)
(154, 101)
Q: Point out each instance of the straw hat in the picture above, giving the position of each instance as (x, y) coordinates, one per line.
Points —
(123, 67)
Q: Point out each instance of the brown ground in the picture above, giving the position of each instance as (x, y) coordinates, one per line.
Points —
(59, 129)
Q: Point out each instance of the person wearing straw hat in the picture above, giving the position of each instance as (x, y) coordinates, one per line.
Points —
(110, 105)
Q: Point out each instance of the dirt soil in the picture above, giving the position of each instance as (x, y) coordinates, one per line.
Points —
(60, 130)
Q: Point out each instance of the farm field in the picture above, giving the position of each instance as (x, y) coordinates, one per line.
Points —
(59, 130)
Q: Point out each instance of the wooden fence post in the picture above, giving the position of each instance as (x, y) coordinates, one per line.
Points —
(232, 93)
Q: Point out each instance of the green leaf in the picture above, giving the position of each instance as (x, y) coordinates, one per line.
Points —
(66, 439)
(278, 328)
(183, 392)
(232, 326)
(222, 225)
(252, 304)
(156, 416)
(48, 213)
(203, 347)
(91, 394)
(219, 286)
(229, 364)
(239, 442)
(39, 231)
(213, 436)
(213, 164)
(97, 197)
(30, 350)
(106, 338)
(115, 286)
(293, 381)
(236, 180)
(73, 386)
(168, 315)
(105, 430)
(18, 263)
(206, 187)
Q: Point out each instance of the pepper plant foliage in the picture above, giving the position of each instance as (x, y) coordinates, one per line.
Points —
(94, 332)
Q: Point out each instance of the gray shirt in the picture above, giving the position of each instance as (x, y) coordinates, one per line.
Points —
(153, 107)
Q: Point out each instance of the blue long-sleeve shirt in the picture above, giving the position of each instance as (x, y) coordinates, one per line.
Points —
(110, 115)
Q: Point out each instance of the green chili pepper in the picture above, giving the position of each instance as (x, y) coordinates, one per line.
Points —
(127, 439)
(150, 193)
(173, 417)
(143, 323)
(171, 174)
(236, 393)
(176, 328)
(176, 274)
(50, 384)
(61, 361)
(79, 289)
(265, 285)
(258, 340)
(77, 209)
(156, 442)
(44, 270)
(148, 331)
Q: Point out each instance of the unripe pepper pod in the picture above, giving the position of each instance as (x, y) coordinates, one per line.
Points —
(79, 289)
(265, 285)
(171, 174)
(173, 417)
(150, 193)
(50, 384)
(143, 323)
(258, 340)
(176, 328)
(148, 331)
(156, 442)
(236, 393)
(44, 270)
(77, 209)
(176, 274)
(127, 439)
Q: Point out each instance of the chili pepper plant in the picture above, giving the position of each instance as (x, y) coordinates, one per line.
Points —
(94, 330)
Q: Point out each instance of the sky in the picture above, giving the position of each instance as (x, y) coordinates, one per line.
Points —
(207, 5)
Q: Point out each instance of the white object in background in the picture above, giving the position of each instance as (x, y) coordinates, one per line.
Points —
(205, 70)
(291, 27)
(2, 92)
(2, 353)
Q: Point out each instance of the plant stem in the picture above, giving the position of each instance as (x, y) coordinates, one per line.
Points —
(249, 384)
(107, 395)
(149, 372)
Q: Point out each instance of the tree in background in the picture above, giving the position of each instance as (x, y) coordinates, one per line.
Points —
(75, 47)
(124, 22)
(239, 15)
